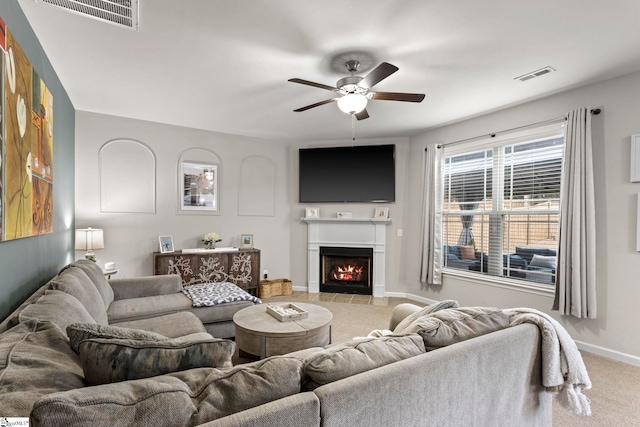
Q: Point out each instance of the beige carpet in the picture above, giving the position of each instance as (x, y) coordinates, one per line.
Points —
(615, 395)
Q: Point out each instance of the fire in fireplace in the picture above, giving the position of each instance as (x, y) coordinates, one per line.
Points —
(346, 270)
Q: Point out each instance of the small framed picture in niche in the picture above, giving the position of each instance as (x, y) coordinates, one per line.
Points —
(198, 184)
(166, 244)
(312, 212)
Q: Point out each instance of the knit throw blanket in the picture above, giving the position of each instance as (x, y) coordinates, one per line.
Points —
(208, 294)
(563, 369)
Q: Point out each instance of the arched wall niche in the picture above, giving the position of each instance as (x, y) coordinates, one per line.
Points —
(127, 177)
(256, 187)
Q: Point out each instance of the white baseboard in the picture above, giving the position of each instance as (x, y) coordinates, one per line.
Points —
(611, 354)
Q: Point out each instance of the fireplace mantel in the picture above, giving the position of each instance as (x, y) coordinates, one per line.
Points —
(347, 232)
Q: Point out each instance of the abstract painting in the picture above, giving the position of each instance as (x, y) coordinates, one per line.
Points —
(26, 189)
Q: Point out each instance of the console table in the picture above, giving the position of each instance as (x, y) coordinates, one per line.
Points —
(241, 267)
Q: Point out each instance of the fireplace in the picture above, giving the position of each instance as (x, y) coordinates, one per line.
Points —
(346, 270)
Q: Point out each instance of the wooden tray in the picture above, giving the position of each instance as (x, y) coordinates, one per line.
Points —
(287, 317)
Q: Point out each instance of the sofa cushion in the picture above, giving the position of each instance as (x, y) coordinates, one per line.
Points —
(449, 326)
(184, 398)
(172, 325)
(107, 360)
(78, 332)
(98, 278)
(543, 261)
(57, 307)
(353, 357)
(75, 281)
(35, 360)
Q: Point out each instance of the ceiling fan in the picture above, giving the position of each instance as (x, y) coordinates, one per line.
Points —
(354, 91)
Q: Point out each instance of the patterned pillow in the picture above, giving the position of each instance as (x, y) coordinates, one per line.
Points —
(79, 332)
(353, 357)
(107, 360)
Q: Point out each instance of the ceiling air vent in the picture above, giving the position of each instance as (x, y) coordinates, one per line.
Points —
(534, 74)
(123, 13)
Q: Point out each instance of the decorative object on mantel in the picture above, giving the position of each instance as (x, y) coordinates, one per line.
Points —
(287, 312)
(210, 240)
(344, 215)
(381, 213)
(88, 239)
(312, 212)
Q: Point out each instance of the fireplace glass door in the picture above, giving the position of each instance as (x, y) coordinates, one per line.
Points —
(346, 270)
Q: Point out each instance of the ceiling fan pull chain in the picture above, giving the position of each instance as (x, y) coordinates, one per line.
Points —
(353, 126)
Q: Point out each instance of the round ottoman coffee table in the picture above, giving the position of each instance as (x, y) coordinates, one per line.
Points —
(260, 334)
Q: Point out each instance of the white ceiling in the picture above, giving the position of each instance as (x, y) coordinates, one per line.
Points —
(223, 65)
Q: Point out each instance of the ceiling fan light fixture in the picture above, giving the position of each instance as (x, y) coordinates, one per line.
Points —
(352, 103)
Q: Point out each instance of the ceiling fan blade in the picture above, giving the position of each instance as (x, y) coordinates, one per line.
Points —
(396, 96)
(314, 84)
(378, 74)
(317, 104)
(362, 115)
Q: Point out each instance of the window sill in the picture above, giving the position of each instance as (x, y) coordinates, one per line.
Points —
(499, 282)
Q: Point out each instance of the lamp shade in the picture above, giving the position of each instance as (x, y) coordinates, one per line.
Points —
(88, 239)
(352, 103)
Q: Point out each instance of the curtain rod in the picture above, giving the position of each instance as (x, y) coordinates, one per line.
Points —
(595, 111)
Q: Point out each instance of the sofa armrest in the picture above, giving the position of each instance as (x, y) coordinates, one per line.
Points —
(136, 287)
(399, 313)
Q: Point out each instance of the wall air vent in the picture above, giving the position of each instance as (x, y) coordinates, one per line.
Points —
(123, 13)
(534, 74)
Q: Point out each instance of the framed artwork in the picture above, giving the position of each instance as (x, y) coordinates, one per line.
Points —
(381, 213)
(166, 244)
(312, 212)
(246, 241)
(198, 187)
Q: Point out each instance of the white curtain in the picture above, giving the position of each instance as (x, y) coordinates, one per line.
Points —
(431, 255)
(576, 276)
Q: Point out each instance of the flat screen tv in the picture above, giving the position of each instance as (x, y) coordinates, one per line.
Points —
(348, 174)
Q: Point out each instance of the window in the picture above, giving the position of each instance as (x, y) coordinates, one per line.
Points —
(501, 206)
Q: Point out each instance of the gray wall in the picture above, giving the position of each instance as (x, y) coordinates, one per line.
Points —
(26, 264)
(618, 266)
(131, 238)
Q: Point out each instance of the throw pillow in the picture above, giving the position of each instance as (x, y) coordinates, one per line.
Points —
(468, 252)
(35, 360)
(543, 261)
(112, 360)
(79, 332)
(346, 359)
(57, 307)
(453, 325)
(187, 398)
(74, 281)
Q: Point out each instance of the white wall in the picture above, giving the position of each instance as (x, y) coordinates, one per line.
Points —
(616, 329)
(131, 238)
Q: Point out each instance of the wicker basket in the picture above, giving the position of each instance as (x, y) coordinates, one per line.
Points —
(272, 288)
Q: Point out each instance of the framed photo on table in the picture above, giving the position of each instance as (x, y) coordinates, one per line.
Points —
(246, 241)
(166, 244)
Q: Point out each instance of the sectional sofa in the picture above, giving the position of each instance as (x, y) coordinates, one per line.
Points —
(65, 361)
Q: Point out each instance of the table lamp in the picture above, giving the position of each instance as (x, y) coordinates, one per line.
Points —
(88, 239)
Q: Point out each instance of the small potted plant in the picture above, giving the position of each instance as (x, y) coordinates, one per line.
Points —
(210, 240)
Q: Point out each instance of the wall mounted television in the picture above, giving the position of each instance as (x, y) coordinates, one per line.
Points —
(348, 174)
